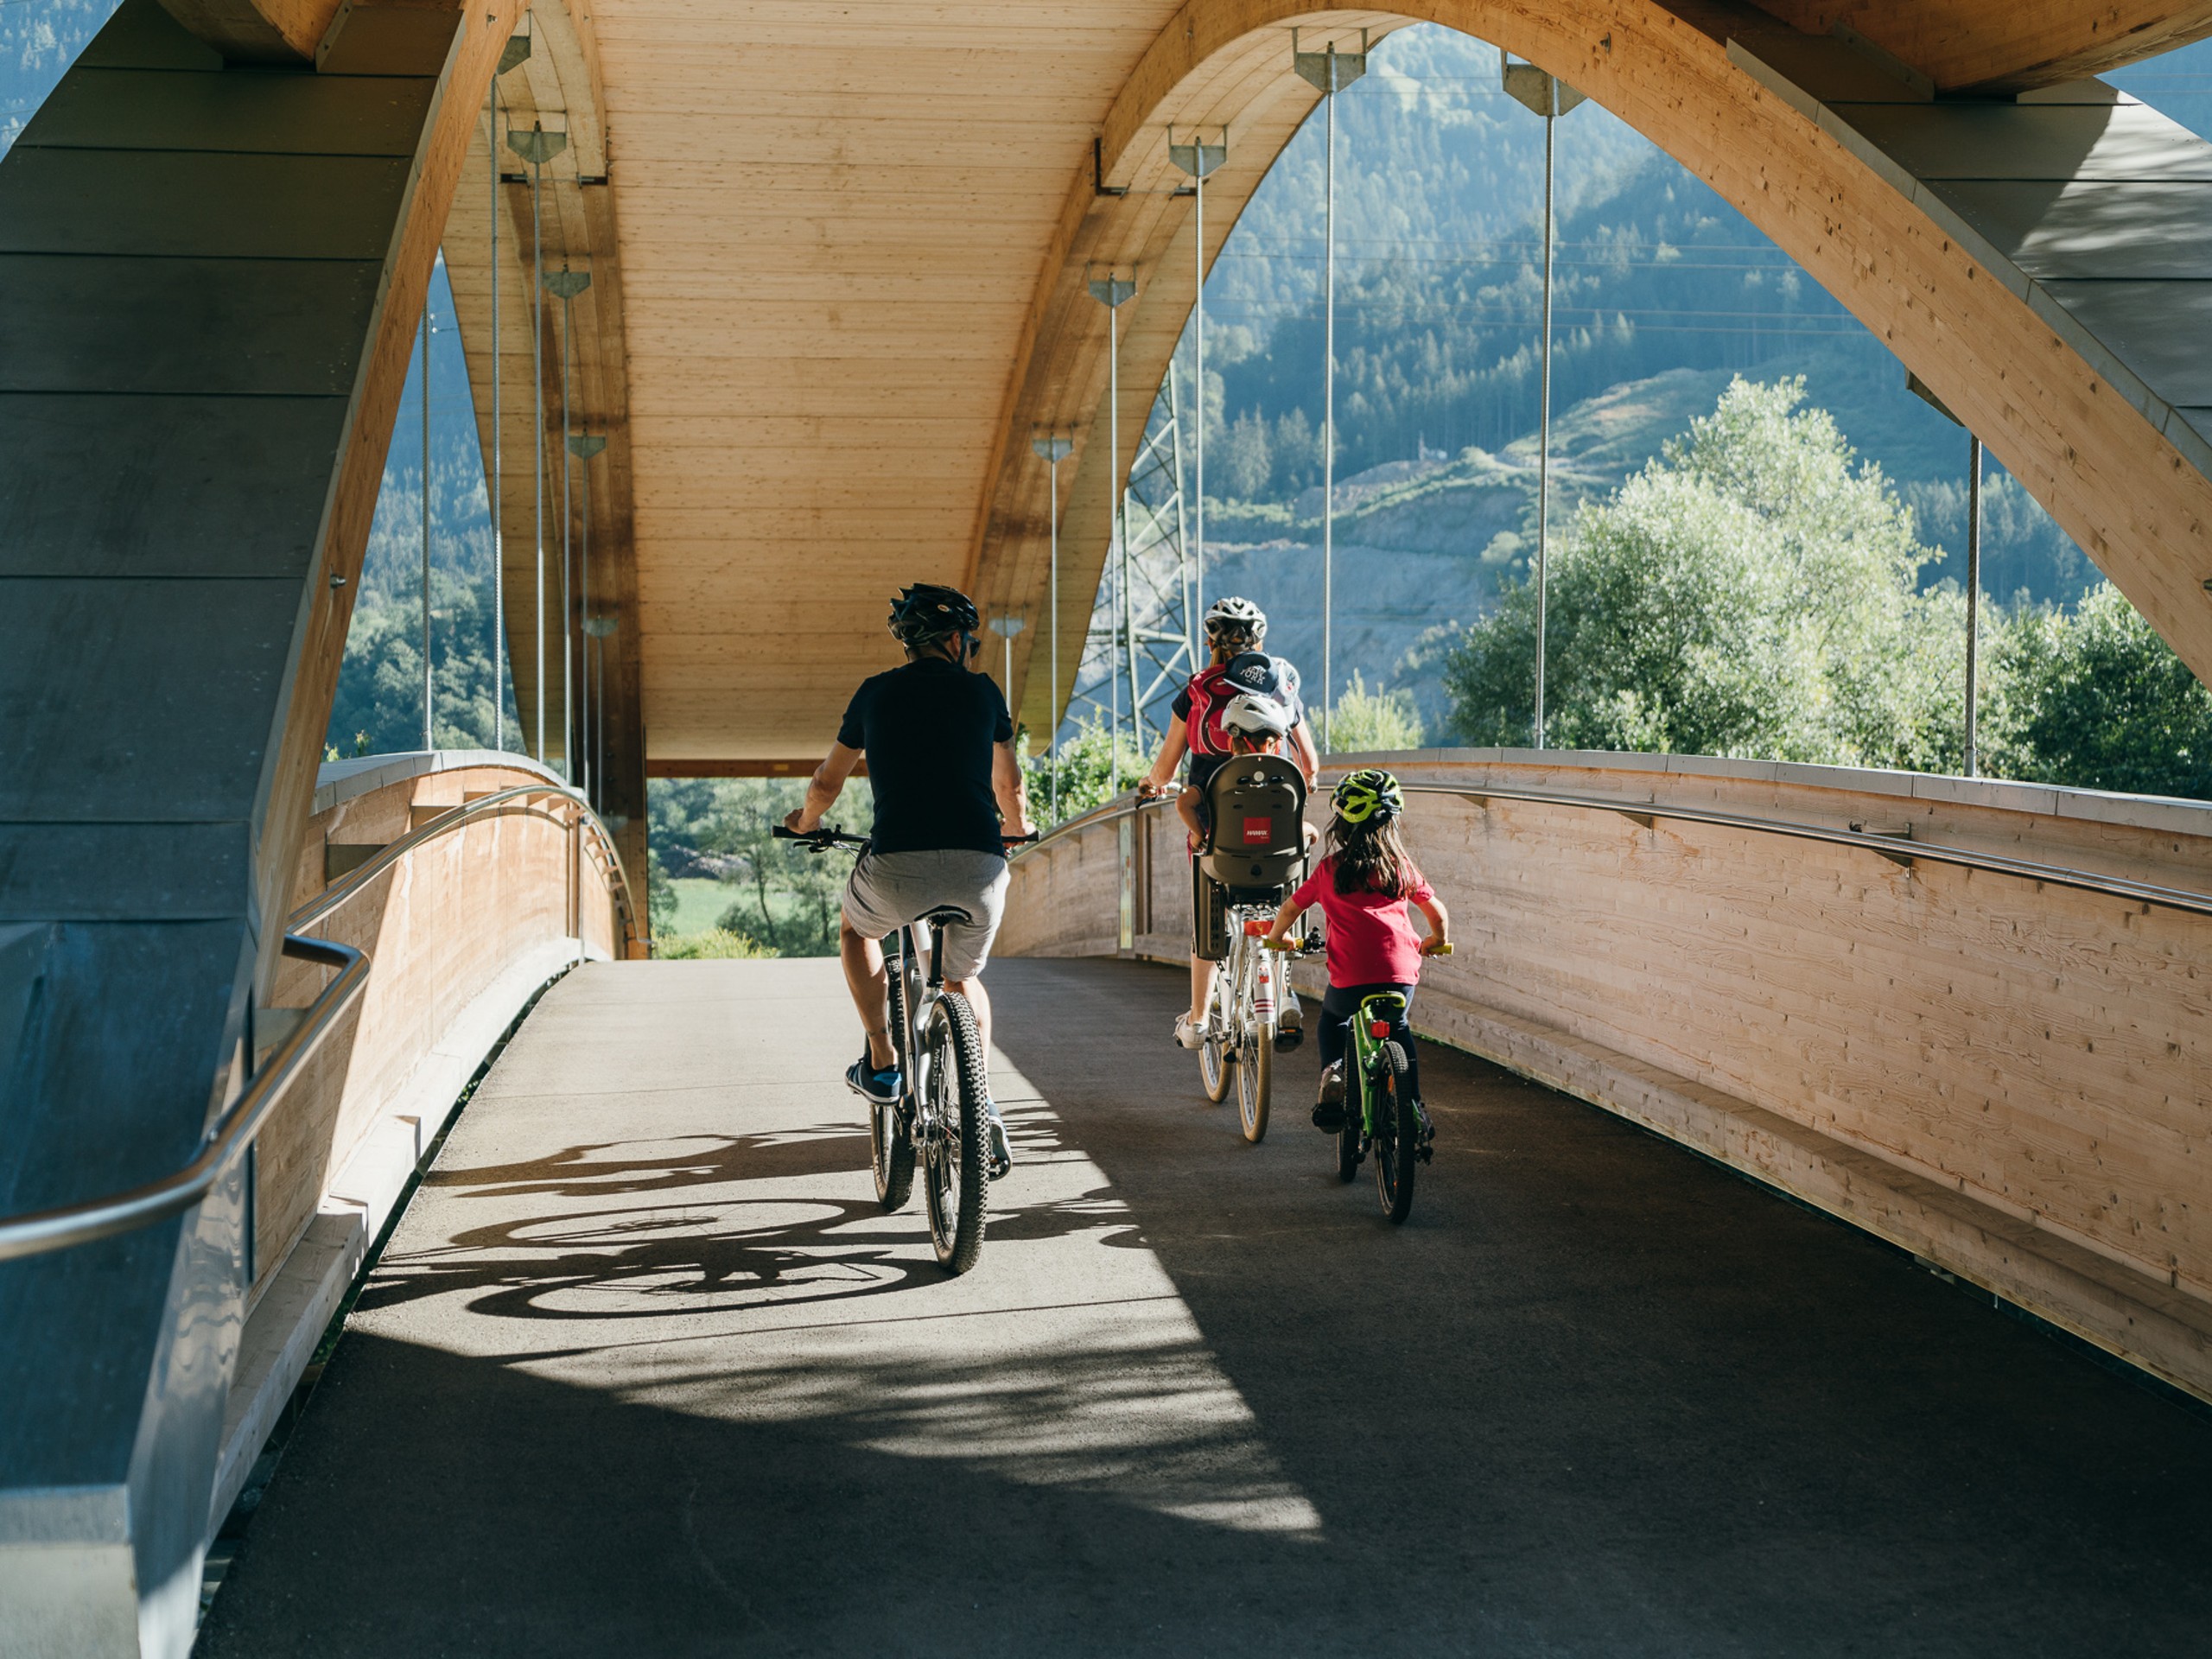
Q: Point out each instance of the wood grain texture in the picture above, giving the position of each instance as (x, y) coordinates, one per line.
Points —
(2040, 1052)
(557, 87)
(439, 927)
(853, 252)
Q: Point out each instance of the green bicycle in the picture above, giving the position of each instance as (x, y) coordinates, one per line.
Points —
(1381, 1116)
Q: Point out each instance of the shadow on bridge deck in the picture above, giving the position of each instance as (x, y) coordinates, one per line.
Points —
(644, 1369)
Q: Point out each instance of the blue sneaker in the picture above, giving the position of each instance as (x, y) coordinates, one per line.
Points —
(999, 1159)
(870, 1084)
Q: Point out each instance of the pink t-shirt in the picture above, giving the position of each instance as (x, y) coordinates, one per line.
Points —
(1372, 937)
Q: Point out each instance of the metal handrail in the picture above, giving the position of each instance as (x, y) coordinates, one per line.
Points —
(1895, 848)
(458, 817)
(58, 1229)
(40, 1231)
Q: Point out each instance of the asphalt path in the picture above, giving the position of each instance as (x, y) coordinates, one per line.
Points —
(645, 1371)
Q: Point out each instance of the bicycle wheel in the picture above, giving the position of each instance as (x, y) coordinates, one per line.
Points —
(1348, 1148)
(1255, 1072)
(1397, 1133)
(955, 1185)
(1215, 1055)
(890, 1143)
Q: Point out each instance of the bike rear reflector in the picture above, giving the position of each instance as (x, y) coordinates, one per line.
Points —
(1378, 1027)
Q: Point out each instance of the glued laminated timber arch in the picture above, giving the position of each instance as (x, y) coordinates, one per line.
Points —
(2015, 246)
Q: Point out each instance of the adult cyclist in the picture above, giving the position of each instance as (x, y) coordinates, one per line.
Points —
(939, 746)
(1235, 631)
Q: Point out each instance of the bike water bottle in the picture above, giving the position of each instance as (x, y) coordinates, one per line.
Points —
(1263, 1000)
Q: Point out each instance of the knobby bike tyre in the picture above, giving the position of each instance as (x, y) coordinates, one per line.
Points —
(1397, 1133)
(1215, 1058)
(890, 1146)
(1347, 1136)
(956, 1182)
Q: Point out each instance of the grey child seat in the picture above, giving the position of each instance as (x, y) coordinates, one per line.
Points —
(1255, 845)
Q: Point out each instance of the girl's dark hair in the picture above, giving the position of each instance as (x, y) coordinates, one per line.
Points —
(1370, 857)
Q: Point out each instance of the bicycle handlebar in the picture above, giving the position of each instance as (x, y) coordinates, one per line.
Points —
(829, 835)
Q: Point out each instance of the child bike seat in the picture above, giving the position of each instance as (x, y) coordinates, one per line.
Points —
(1256, 805)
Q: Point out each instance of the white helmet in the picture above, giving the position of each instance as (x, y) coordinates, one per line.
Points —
(1241, 615)
(1254, 716)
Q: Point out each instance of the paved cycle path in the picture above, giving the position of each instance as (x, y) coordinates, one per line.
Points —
(646, 1371)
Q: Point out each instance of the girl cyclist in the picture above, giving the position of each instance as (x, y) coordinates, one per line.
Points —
(1235, 629)
(1363, 886)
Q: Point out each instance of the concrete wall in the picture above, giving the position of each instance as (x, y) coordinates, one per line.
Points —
(2008, 1075)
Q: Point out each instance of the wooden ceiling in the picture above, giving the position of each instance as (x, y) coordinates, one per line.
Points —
(852, 240)
(832, 221)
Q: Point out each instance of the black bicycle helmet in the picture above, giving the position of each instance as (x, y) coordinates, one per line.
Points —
(1369, 792)
(927, 612)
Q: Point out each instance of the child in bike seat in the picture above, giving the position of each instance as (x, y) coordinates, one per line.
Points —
(1363, 886)
(1237, 630)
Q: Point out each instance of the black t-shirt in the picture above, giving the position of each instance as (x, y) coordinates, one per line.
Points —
(928, 730)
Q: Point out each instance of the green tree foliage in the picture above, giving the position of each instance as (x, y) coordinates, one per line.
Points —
(783, 899)
(714, 944)
(1749, 593)
(379, 707)
(660, 892)
(2094, 699)
(1363, 721)
(1086, 772)
(1244, 455)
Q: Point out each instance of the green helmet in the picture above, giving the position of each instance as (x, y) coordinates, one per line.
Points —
(1369, 792)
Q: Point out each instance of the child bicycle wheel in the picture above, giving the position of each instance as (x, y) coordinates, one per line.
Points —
(1397, 1132)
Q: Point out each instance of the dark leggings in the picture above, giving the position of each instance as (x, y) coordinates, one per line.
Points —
(1338, 1008)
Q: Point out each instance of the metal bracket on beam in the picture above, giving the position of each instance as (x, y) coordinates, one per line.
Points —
(566, 284)
(538, 145)
(1329, 70)
(515, 51)
(1098, 185)
(1546, 94)
(1113, 292)
(1918, 387)
(1196, 157)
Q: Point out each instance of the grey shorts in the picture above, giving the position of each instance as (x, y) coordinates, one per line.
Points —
(889, 890)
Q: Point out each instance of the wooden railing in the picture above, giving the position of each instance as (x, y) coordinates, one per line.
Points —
(1973, 1017)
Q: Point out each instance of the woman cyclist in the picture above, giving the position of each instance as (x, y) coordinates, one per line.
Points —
(1363, 885)
(1236, 630)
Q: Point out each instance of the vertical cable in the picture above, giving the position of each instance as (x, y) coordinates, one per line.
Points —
(1198, 304)
(538, 400)
(1120, 536)
(1328, 395)
(1544, 422)
(567, 514)
(1054, 604)
(498, 499)
(1973, 599)
(429, 729)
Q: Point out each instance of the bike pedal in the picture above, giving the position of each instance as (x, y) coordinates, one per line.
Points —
(1287, 1040)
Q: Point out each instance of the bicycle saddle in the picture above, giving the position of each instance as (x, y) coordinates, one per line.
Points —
(946, 916)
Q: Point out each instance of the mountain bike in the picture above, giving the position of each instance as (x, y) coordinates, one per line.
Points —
(938, 1122)
(1242, 1028)
(1380, 1117)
